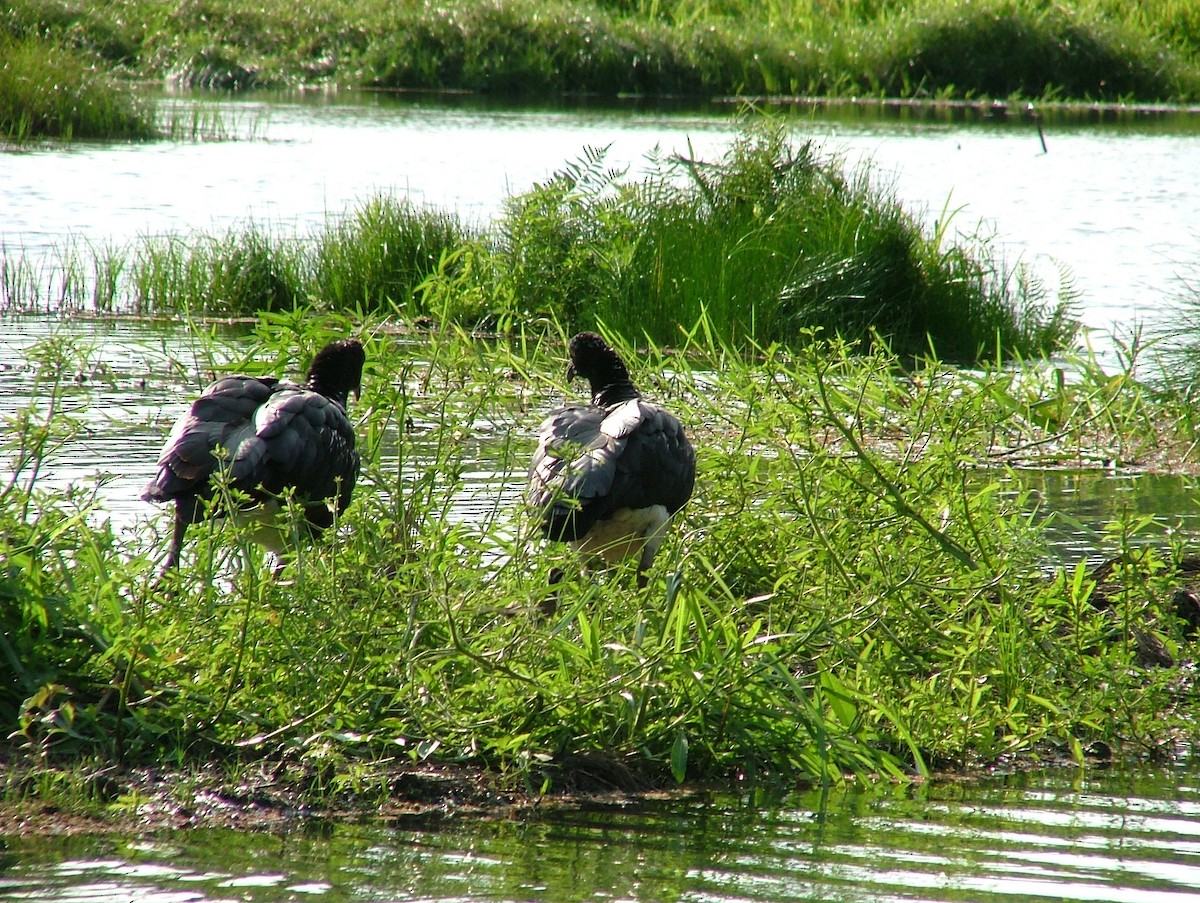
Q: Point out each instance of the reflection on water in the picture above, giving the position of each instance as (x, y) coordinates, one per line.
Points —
(1106, 836)
(1086, 510)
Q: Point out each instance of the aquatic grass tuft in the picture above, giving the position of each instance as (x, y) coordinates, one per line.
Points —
(242, 271)
(377, 256)
(50, 90)
(769, 242)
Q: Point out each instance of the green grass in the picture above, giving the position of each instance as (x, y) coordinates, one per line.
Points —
(375, 258)
(52, 91)
(765, 244)
(1086, 50)
(772, 240)
(847, 593)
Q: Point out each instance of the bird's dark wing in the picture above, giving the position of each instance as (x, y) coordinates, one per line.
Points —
(214, 421)
(297, 439)
(592, 461)
(657, 465)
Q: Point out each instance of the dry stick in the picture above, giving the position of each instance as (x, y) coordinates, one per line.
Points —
(1037, 120)
(895, 493)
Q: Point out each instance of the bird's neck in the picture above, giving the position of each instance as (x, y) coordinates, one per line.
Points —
(615, 393)
(342, 396)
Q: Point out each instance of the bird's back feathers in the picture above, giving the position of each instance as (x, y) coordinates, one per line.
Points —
(268, 434)
(591, 462)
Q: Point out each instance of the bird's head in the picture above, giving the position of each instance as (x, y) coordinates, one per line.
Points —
(336, 371)
(593, 359)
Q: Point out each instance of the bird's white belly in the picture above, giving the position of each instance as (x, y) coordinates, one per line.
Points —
(624, 534)
(267, 525)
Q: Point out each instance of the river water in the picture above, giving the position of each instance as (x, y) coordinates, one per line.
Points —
(1106, 836)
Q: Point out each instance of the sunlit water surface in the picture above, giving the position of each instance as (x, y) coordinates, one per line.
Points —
(1104, 837)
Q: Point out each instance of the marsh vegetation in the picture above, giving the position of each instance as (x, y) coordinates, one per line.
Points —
(849, 592)
(773, 239)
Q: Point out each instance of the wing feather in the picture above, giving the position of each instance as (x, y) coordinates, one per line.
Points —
(592, 461)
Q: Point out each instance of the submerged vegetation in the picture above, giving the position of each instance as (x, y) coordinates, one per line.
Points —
(848, 592)
(1089, 50)
(770, 241)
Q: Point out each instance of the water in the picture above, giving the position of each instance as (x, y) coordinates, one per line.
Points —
(1106, 836)
(1111, 202)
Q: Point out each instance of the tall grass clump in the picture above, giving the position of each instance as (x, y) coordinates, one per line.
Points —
(377, 256)
(1003, 48)
(244, 271)
(771, 241)
(52, 91)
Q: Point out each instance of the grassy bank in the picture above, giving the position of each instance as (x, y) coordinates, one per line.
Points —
(774, 239)
(847, 593)
(1093, 50)
(48, 90)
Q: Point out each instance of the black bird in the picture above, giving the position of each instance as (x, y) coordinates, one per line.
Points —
(607, 476)
(269, 436)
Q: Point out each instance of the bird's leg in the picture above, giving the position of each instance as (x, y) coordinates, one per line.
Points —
(186, 508)
(549, 605)
(653, 539)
